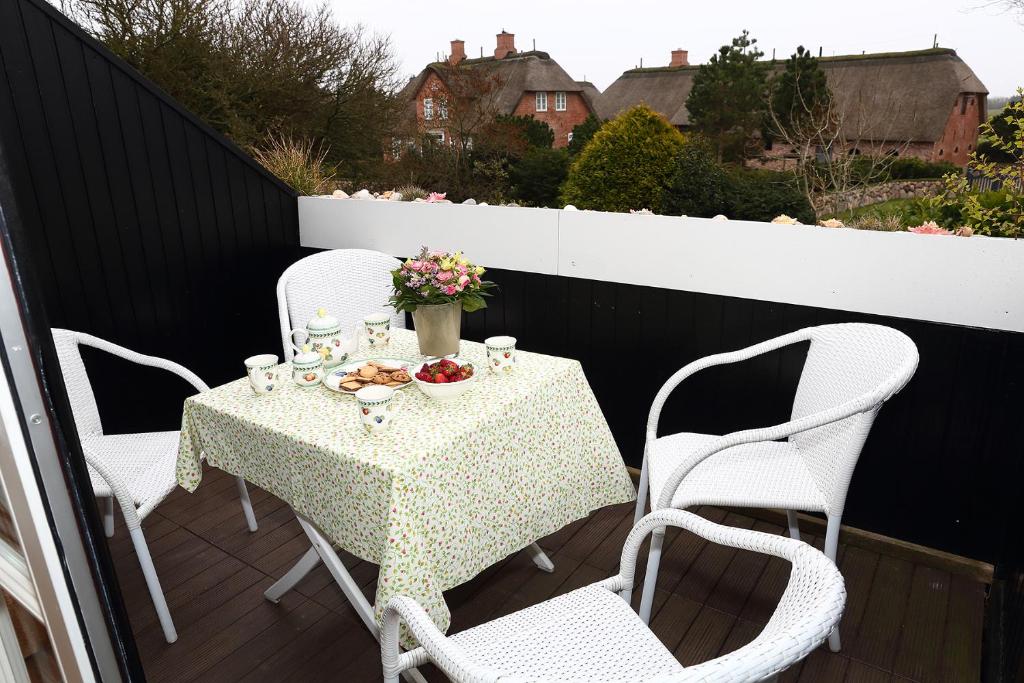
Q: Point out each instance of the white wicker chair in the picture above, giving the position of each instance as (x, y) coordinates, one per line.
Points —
(804, 464)
(592, 634)
(136, 469)
(350, 283)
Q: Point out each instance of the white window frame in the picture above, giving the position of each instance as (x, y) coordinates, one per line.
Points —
(569, 137)
(541, 101)
(560, 101)
(437, 135)
(442, 109)
(428, 108)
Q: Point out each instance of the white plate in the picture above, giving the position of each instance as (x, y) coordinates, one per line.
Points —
(332, 380)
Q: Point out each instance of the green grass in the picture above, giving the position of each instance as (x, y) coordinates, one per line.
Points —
(898, 207)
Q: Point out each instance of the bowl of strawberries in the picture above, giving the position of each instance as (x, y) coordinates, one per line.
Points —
(445, 379)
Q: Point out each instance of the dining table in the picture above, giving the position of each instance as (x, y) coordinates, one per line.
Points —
(449, 489)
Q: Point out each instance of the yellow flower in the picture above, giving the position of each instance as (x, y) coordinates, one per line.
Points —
(479, 270)
(446, 264)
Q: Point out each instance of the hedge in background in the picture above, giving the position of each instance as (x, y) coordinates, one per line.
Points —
(699, 185)
(756, 195)
(627, 165)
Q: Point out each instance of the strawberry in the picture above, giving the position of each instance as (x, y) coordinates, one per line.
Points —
(447, 363)
(425, 369)
(424, 376)
(440, 378)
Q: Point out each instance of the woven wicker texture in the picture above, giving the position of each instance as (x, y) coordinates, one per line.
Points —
(592, 635)
(350, 283)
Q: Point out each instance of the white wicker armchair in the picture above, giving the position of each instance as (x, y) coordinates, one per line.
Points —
(807, 463)
(350, 283)
(138, 470)
(591, 634)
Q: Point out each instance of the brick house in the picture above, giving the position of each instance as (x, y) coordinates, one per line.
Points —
(516, 83)
(927, 104)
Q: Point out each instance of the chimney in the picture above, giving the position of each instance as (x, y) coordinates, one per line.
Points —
(458, 52)
(679, 58)
(506, 45)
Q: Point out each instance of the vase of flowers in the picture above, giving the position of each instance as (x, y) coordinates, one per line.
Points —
(436, 287)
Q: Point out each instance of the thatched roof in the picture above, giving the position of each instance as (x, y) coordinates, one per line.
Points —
(517, 73)
(590, 93)
(889, 96)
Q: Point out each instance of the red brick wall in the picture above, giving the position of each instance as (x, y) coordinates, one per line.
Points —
(961, 134)
(432, 87)
(562, 122)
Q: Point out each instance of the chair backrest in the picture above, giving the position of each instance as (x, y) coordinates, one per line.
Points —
(350, 283)
(76, 381)
(844, 362)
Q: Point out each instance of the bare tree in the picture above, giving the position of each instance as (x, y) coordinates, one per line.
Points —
(844, 142)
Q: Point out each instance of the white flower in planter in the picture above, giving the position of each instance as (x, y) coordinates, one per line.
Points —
(570, 207)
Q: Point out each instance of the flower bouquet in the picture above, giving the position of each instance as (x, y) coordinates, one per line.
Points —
(436, 287)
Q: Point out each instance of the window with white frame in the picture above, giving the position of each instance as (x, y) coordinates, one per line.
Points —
(569, 137)
(442, 109)
(559, 101)
(437, 135)
(542, 101)
(428, 108)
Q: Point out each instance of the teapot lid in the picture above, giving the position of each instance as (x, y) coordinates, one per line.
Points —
(307, 355)
(322, 322)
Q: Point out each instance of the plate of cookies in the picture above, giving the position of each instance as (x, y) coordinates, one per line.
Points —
(351, 377)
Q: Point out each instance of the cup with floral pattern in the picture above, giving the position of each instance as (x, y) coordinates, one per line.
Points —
(378, 406)
(378, 329)
(263, 373)
(501, 354)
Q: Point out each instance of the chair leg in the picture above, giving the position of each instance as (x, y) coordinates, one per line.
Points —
(831, 549)
(794, 524)
(651, 577)
(108, 516)
(540, 558)
(243, 493)
(641, 491)
(153, 583)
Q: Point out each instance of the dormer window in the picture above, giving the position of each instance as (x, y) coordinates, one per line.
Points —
(428, 108)
(542, 101)
(559, 101)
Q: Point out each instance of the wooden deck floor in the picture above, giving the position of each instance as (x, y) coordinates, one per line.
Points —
(903, 621)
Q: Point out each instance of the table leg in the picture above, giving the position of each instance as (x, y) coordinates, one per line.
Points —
(305, 565)
(540, 558)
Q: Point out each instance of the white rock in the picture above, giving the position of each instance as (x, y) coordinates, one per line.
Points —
(362, 194)
(570, 207)
(396, 196)
(483, 204)
(420, 199)
(470, 201)
(720, 217)
(340, 194)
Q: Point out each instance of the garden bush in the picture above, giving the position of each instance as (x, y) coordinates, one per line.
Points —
(699, 185)
(537, 176)
(582, 133)
(627, 165)
(758, 195)
(912, 168)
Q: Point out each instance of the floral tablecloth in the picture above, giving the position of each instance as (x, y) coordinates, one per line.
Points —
(448, 490)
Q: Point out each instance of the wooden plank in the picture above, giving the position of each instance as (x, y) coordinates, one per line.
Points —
(960, 657)
(858, 672)
(858, 568)
(705, 637)
(926, 620)
(881, 628)
(710, 565)
(674, 619)
(821, 666)
(741, 576)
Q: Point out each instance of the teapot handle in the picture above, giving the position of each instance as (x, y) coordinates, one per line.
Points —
(291, 336)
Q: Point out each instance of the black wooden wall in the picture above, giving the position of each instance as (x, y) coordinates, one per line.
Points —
(144, 226)
(938, 468)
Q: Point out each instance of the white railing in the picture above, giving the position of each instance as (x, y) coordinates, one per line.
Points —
(974, 281)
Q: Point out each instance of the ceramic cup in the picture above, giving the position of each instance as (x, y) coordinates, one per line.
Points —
(501, 354)
(378, 406)
(378, 329)
(263, 374)
(309, 373)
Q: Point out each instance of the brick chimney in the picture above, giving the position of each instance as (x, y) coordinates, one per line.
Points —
(458, 52)
(506, 45)
(679, 58)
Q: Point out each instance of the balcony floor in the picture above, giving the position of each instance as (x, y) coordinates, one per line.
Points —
(903, 621)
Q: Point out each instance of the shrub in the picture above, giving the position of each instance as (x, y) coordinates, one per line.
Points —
(411, 192)
(912, 168)
(582, 133)
(757, 195)
(627, 164)
(888, 223)
(699, 184)
(538, 175)
(300, 163)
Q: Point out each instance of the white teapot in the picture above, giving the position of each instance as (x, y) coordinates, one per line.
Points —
(323, 334)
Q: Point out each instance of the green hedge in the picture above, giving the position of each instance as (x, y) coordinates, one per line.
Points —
(758, 195)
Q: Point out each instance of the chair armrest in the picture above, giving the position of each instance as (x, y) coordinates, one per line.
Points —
(141, 359)
(445, 653)
(283, 318)
(710, 361)
(860, 404)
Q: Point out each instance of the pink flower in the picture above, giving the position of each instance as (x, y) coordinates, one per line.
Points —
(416, 265)
(445, 276)
(463, 281)
(435, 197)
(929, 228)
(450, 290)
(461, 270)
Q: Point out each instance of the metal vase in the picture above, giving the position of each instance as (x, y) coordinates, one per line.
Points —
(438, 328)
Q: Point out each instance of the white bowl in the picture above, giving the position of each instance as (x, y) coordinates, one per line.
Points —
(448, 391)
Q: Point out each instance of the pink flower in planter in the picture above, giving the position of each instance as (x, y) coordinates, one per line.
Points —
(929, 228)
(450, 290)
(445, 276)
(435, 197)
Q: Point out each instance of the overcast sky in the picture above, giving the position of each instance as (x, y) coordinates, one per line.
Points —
(599, 38)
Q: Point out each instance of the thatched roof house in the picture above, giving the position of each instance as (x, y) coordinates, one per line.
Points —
(526, 83)
(927, 103)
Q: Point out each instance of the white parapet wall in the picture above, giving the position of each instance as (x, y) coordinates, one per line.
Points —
(974, 281)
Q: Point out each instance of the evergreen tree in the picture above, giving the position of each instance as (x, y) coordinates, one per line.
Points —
(582, 133)
(727, 101)
(799, 95)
